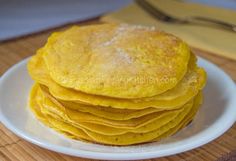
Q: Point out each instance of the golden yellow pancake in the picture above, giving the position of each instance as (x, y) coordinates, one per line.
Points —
(114, 60)
(135, 138)
(187, 88)
(124, 139)
(111, 130)
(57, 125)
(115, 84)
(50, 109)
(34, 94)
(109, 113)
(165, 116)
(77, 117)
(188, 118)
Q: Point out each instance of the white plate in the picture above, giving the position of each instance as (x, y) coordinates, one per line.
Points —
(215, 116)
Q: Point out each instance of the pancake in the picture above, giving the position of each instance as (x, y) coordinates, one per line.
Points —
(132, 138)
(59, 126)
(111, 130)
(187, 88)
(188, 118)
(103, 129)
(115, 84)
(34, 93)
(100, 111)
(135, 138)
(78, 117)
(119, 61)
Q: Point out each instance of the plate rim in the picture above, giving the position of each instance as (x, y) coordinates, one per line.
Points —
(127, 155)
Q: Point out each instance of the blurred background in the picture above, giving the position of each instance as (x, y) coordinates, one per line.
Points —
(21, 17)
(215, 32)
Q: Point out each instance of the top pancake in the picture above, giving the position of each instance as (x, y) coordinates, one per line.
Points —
(193, 81)
(120, 61)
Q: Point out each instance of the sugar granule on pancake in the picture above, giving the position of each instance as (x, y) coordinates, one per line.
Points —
(79, 58)
(188, 87)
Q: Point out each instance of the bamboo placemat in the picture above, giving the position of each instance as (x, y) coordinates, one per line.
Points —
(14, 148)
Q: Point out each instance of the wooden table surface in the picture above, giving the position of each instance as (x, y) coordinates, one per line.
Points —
(14, 148)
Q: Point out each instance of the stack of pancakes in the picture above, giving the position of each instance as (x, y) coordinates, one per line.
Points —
(115, 84)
